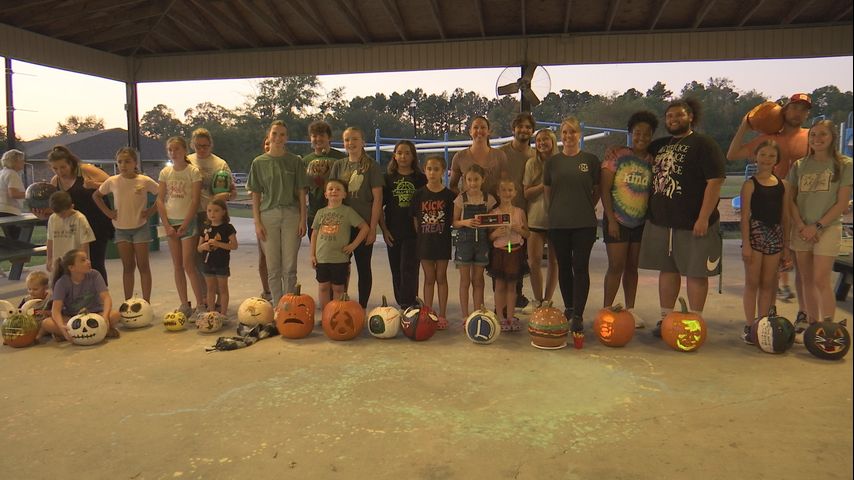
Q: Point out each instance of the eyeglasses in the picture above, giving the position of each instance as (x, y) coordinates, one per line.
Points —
(202, 145)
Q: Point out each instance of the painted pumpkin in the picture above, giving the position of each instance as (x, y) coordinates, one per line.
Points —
(221, 182)
(210, 322)
(135, 312)
(419, 322)
(482, 326)
(20, 329)
(384, 321)
(614, 326)
(548, 327)
(38, 195)
(87, 328)
(343, 319)
(255, 311)
(174, 321)
(773, 333)
(295, 314)
(827, 340)
(682, 330)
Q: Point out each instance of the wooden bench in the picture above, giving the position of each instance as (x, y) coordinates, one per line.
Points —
(18, 250)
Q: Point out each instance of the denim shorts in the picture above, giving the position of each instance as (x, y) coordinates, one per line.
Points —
(141, 234)
(191, 228)
(471, 252)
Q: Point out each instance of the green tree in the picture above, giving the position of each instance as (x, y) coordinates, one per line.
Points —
(207, 114)
(74, 124)
(832, 103)
(160, 123)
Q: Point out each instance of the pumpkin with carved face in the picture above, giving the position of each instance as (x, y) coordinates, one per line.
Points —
(343, 319)
(773, 333)
(614, 326)
(482, 326)
(174, 321)
(210, 322)
(135, 312)
(384, 321)
(827, 340)
(87, 328)
(682, 330)
(548, 327)
(295, 314)
(419, 321)
(254, 311)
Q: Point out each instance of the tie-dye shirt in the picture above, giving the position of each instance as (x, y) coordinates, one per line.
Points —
(632, 184)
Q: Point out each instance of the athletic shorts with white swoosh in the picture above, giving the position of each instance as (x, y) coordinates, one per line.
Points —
(679, 251)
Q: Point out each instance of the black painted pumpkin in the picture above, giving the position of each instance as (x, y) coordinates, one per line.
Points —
(773, 333)
(827, 340)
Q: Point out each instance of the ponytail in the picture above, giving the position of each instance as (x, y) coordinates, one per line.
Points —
(62, 264)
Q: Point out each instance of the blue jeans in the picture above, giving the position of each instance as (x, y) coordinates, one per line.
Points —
(281, 248)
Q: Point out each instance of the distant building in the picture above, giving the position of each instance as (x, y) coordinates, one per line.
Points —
(97, 147)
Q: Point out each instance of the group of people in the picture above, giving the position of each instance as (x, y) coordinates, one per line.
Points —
(500, 209)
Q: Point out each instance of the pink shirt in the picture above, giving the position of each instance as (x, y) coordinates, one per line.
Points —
(517, 218)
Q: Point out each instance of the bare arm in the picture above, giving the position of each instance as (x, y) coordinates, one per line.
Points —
(98, 198)
(710, 200)
(746, 193)
(314, 247)
(16, 194)
(93, 176)
(107, 301)
(256, 214)
(303, 212)
(738, 147)
(364, 230)
(161, 207)
(194, 206)
(376, 211)
(455, 178)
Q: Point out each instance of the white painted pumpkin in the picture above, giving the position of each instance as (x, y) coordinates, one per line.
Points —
(135, 312)
(384, 321)
(210, 322)
(254, 311)
(482, 326)
(87, 328)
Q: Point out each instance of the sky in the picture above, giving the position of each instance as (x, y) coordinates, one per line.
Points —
(45, 96)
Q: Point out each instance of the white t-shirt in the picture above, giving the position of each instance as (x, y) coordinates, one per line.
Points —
(68, 233)
(179, 189)
(130, 198)
(207, 168)
(10, 178)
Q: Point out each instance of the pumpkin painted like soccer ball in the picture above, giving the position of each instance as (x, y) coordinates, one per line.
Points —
(684, 331)
(343, 319)
(482, 326)
(87, 328)
(254, 311)
(210, 322)
(135, 312)
(174, 321)
(384, 321)
(614, 326)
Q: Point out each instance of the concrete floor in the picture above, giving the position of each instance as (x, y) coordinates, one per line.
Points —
(153, 404)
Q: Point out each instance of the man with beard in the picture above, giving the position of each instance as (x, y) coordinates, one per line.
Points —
(682, 235)
(518, 152)
(792, 140)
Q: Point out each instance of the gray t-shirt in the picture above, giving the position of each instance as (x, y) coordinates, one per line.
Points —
(76, 296)
(359, 184)
(571, 181)
(516, 162)
(333, 227)
(816, 193)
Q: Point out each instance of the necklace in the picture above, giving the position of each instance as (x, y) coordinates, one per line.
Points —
(677, 142)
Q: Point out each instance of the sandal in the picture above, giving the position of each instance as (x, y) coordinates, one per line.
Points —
(442, 323)
(506, 326)
(113, 333)
(515, 326)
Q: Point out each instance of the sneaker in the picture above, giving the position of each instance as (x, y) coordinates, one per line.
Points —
(785, 294)
(656, 332)
(530, 307)
(187, 310)
(801, 324)
(638, 320)
(522, 302)
(266, 296)
(745, 335)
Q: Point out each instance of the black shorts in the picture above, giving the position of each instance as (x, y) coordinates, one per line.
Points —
(631, 235)
(334, 273)
(216, 271)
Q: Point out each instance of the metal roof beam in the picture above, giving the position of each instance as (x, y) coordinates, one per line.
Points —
(72, 28)
(797, 11)
(845, 11)
(396, 19)
(522, 17)
(111, 34)
(701, 14)
(73, 11)
(212, 35)
(276, 24)
(352, 17)
(14, 6)
(312, 22)
(612, 14)
(437, 16)
(566, 16)
(750, 11)
(165, 6)
(662, 4)
(478, 11)
(216, 20)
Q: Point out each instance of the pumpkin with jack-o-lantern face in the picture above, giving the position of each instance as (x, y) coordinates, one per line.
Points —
(384, 321)
(174, 321)
(255, 311)
(614, 326)
(682, 330)
(295, 314)
(135, 312)
(343, 319)
(87, 328)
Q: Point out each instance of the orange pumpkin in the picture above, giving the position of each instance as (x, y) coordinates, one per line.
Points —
(343, 319)
(767, 118)
(548, 327)
(682, 330)
(295, 314)
(614, 326)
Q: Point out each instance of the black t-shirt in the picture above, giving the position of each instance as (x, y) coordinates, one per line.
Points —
(435, 214)
(398, 191)
(680, 173)
(221, 233)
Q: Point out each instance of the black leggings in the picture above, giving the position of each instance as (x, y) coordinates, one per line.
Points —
(363, 254)
(572, 247)
(404, 263)
(98, 255)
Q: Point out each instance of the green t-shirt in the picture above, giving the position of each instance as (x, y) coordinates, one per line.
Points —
(359, 184)
(816, 193)
(277, 179)
(333, 227)
(315, 164)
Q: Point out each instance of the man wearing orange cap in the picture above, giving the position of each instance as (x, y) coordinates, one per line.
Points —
(792, 140)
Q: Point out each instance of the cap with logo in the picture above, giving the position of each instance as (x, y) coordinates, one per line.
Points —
(801, 97)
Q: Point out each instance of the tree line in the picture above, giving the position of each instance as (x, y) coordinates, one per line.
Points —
(238, 133)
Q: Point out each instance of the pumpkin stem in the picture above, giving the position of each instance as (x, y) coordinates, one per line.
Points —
(772, 312)
(683, 305)
(616, 308)
(297, 289)
(547, 304)
(385, 302)
(345, 297)
(420, 302)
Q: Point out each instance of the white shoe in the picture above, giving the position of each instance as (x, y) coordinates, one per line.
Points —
(530, 307)
(638, 321)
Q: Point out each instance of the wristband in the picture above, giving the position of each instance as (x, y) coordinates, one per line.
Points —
(819, 226)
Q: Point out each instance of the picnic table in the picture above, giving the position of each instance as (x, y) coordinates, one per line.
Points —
(18, 250)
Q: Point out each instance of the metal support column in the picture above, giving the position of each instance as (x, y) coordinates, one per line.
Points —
(132, 109)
